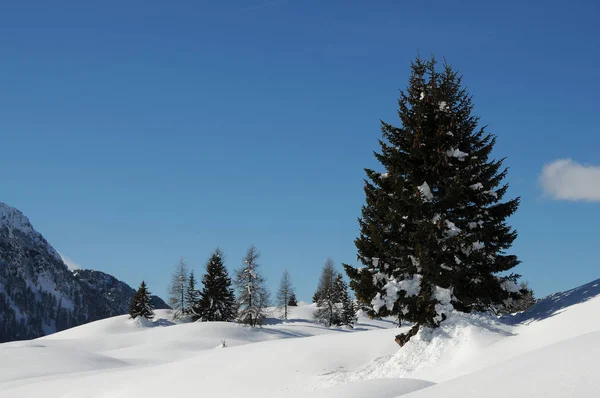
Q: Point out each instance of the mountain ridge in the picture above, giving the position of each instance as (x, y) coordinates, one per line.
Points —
(39, 294)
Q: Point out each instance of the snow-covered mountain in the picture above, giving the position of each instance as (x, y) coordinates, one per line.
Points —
(39, 295)
(549, 351)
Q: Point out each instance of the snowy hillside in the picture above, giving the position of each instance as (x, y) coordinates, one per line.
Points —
(549, 351)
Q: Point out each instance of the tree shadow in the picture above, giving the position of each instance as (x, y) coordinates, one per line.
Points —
(284, 333)
(555, 303)
(162, 322)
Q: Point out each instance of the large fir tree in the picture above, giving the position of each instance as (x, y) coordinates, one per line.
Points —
(433, 231)
(141, 305)
(217, 301)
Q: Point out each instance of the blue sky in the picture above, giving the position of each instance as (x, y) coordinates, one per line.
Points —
(134, 133)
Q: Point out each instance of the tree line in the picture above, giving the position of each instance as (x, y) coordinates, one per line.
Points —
(245, 299)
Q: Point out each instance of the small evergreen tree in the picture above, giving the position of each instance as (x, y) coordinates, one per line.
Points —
(433, 231)
(326, 280)
(141, 303)
(177, 289)
(217, 301)
(253, 296)
(510, 306)
(328, 296)
(192, 296)
(284, 294)
(293, 301)
(347, 310)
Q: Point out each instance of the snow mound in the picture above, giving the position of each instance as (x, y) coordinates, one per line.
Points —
(431, 351)
(382, 388)
(141, 322)
(29, 359)
(565, 369)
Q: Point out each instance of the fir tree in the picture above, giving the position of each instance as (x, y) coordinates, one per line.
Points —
(327, 296)
(141, 303)
(192, 296)
(293, 301)
(253, 296)
(347, 310)
(433, 231)
(217, 301)
(284, 294)
(326, 279)
(177, 289)
(520, 304)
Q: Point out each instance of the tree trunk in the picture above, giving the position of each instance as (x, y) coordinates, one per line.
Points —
(403, 338)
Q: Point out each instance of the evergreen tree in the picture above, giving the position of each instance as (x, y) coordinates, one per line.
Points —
(328, 296)
(326, 280)
(177, 290)
(141, 303)
(520, 304)
(253, 296)
(347, 310)
(433, 231)
(284, 294)
(293, 301)
(217, 301)
(192, 296)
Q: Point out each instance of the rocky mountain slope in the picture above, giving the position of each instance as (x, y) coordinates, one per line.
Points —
(117, 294)
(39, 295)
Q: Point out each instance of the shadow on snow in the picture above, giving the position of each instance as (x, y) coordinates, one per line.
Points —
(555, 303)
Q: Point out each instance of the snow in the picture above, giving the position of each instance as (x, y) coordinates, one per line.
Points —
(548, 351)
(411, 285)
(14, 220)
(442, 105)
(473, 225)
(476, 186)
(478, 246)
(444, 307)
(451, 229)
(47, 284)
(493, 194)
(425, 192)
(456, 153)
(510, 286)
(415, 261)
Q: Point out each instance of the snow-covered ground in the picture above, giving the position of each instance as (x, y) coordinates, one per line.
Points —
(552, 350)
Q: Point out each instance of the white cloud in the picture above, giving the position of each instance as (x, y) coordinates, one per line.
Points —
(565, 179)
(72, 265)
